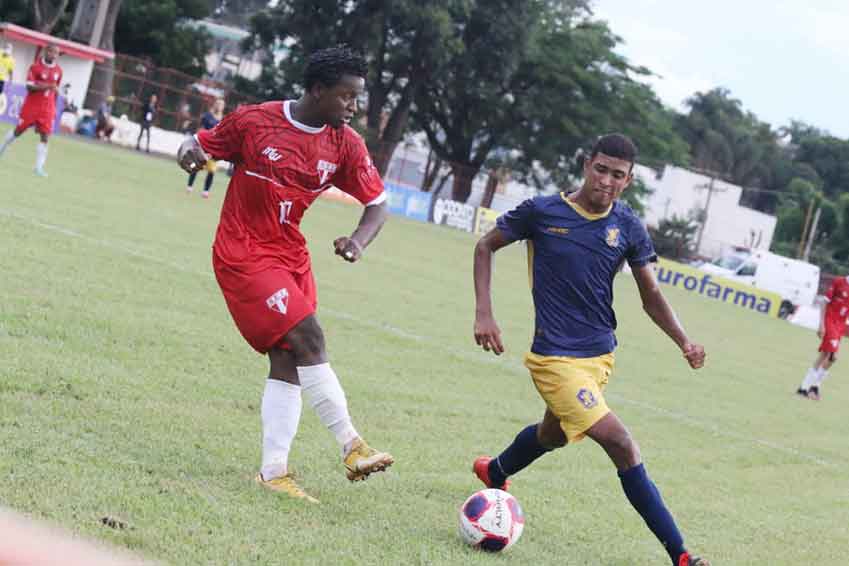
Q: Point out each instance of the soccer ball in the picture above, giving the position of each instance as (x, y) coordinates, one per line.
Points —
(491, 520)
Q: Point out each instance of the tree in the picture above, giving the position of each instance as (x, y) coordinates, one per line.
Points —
(156, 29)
(404, 41)
(727, 140)
(102, 80)
(238, 12)
(17, 12)
(674, 237)
(46, 14)
(531, 85)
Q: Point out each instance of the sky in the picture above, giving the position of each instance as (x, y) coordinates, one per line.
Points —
(783, 59)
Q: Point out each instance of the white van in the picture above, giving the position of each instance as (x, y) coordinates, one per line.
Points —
(796, 281)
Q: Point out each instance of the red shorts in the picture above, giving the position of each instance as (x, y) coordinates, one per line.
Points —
(266, 305)
(833, 333)
(42, 121)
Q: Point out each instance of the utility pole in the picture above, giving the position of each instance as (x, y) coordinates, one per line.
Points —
(710, 187)
(807, 225)
(812, 235)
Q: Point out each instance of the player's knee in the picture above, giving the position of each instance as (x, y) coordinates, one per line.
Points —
(627, 447)
(550, 437)
(307, 341)
(622, 449)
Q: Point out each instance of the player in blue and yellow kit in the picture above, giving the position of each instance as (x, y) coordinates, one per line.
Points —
(576, 245)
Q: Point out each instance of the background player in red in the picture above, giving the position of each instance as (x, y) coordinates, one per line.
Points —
(832, 326)
(39, 109)
(285, 155)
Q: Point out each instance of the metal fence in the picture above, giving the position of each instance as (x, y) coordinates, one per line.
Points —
(181, 97)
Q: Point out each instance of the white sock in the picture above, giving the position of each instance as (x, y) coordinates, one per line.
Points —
(821, 375)
(40, 155)
(810, 379)
(7, 141)
(321, 386)
(281, 412)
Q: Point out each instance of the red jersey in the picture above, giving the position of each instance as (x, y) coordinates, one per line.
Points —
(281, 167)
(42, 103)
(838, 300)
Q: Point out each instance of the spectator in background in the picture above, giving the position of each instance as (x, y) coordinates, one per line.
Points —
(208, 120)
(105, 124)
(7, 66)
(69, 104)
(148, 115)
(186, 121)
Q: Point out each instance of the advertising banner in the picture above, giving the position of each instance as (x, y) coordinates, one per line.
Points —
(485, 220)
(409, 202)
(418, 205)
(455, 214)
(716, 288)
(12, 99)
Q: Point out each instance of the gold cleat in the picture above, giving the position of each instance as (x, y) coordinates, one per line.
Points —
(364, 460)
(286, 484)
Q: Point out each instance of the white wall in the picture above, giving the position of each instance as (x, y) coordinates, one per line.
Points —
(678, 191)
(75, 71)
(126, 133)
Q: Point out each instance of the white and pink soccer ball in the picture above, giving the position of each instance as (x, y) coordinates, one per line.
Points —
(491, 520)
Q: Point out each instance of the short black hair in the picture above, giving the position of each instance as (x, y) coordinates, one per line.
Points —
(619, 146)
(327, 66)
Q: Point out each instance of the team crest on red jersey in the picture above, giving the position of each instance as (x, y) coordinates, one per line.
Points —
(279, 301)
(325, 169)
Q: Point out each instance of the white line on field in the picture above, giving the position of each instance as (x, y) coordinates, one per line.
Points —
(474, 356)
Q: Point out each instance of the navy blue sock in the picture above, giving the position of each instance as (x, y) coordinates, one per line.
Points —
(207, 184)
(519, 455)
(645, 498)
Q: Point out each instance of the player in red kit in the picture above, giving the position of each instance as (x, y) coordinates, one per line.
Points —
(39, 109)
(832, 326)
(285, 154)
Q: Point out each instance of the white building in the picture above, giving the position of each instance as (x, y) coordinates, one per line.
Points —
(227, 59)
(77, 60)
(684, 193)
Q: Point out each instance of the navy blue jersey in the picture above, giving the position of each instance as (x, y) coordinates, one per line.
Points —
(148, 114)
(574, 256)
(208, 121)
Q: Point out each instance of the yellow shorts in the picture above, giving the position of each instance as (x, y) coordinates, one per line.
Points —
(211, 164)
(572, 389)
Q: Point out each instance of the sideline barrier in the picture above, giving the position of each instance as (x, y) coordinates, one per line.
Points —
(454, 214)
(402, 200)
(479, 220)
(485, 220)
(408, 202)
(720, 289)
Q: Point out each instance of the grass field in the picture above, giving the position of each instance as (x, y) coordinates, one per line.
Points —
(126, 392)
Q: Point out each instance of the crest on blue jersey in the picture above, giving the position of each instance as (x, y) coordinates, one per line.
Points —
(586, 397)
(612, 238)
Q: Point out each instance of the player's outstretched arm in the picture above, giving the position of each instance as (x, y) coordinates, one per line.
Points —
(373, 218)
(661, 313)
(487, 333)
(191, 156)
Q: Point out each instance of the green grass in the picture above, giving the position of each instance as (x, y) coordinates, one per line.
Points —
(126, 392)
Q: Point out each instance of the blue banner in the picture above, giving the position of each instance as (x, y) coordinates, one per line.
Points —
(12, 100)
(408, 202)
